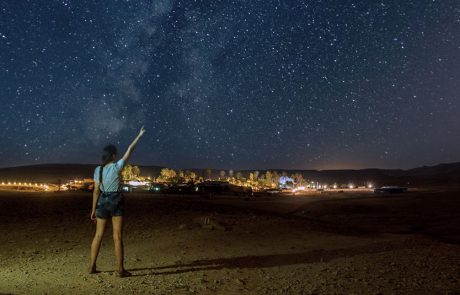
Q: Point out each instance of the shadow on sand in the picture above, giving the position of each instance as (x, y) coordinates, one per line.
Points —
(272, 260)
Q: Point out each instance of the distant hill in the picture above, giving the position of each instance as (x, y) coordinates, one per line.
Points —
(438, 175)
(52, 173)
(442, 174)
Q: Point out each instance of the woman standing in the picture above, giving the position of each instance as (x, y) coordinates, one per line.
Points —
(108, 203)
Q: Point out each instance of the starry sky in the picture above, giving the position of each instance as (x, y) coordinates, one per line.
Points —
(260, 84)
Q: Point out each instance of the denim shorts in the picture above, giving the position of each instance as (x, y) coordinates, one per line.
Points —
(109, 204)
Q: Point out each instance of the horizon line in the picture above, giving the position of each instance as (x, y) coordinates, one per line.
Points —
(250, 169)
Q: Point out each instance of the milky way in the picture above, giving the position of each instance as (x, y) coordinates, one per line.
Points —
(231, 84)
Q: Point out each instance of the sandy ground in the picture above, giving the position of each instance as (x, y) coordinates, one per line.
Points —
(351, 243)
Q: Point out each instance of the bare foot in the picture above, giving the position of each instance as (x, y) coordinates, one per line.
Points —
(92, 270)
(123, 274)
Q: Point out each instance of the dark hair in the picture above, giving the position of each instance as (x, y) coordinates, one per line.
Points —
(109, 152)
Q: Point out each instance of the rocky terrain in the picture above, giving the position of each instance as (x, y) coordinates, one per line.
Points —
(349, 243)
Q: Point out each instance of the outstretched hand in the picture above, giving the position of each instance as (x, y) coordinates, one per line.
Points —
(142, 131)
(133, 144)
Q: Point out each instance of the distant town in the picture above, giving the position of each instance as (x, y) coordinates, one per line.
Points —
(172, 181)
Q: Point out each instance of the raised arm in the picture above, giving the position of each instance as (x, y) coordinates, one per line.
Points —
(132, 145)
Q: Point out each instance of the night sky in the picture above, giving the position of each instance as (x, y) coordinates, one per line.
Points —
(231, 84)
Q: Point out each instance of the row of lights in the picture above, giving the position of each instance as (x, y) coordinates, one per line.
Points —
(14, 183)
(335, 186)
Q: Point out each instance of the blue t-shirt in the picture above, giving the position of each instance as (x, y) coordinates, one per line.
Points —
(110, 176)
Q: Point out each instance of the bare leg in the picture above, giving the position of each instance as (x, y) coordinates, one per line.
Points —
(96, 244)
(117, 224)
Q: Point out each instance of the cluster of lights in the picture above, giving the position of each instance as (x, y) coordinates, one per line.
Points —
(75, 183)
(14, 183)
(26, 184)
(318, 186)
(46, 187)
(137, 183)
(315, 185)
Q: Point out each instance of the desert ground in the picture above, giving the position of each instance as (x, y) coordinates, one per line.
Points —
(336, 243)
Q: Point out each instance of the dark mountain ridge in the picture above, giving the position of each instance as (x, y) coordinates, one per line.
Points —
(437, 175)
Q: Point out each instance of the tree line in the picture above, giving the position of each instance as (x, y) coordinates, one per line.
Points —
(254, 178)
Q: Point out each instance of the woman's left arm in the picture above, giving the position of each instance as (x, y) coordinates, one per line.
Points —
(96, 194)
